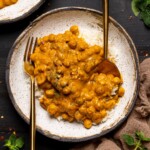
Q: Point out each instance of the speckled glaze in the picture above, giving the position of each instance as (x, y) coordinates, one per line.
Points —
(19, 10)
(89, 21)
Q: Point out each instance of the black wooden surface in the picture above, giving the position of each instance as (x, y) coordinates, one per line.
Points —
(9, 118)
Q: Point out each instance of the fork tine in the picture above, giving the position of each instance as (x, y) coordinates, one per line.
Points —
(33, 50)
(26, 50)
(35, 43)
(30, 49)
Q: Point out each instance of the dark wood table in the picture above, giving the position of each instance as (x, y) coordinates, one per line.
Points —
(9, 118)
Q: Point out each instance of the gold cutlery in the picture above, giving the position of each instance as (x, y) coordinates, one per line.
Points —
(31, 43)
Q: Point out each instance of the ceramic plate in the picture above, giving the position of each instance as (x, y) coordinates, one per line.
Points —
(90, 24)
(19, 10)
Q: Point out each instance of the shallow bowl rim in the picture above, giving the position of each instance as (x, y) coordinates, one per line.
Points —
(47, 133)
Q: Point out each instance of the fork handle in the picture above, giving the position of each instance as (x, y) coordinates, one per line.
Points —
(32, 115)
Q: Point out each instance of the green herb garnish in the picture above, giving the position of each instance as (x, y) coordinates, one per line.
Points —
(142, 8)
(136, 141)
(14, 143)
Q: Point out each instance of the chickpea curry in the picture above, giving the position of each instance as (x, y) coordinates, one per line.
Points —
(63, 65)
(4, 3)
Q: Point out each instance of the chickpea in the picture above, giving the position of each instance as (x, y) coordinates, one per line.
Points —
(71, 113)
(41, 78)
(88, 96)
(68, 33)
(110, 104)
(70, 119)
(39, 69)
(66, 90)
(78, 116)
(66, 63)
(90, 110)
(82, 45)
(95, 100)
(97, 118)
(97, 121)
(37, 50)
(103, 113)
(99, 90)
(59, 38)
(52, 109)
(87, 123)
(121, 91)
(101, 77)
(63, 82)
(57, 62)
(43, 48)
(45, 38)
(110, 76)
(97, 49)
(82, 56)
(115, 98)
(42, 103)
(72, 44)
(50, 93)
(29, 68)
(65, 116)
(52, 38)
(99, 105)
(46, 85)
(7, 2)
(39, 41)
(60, 69)
(74, 29)
(102, 52)
(73, 88)
(83, 110)
(88, 103)
(1, 4)
(79, 101)
(117, 80)
(47, 103)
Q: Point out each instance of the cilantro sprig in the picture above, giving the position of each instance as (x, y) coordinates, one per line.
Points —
(142, 8)
(14, 143)
(136, 141)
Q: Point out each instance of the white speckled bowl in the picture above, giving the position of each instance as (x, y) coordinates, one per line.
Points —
(19, 10)
(90, 24)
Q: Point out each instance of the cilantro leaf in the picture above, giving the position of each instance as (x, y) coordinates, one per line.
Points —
(14, 148)
(134, 5)
(129, 140)
(12, 139)
(141, 136)
(136, 140)
(14, 143)
(19, 142)
(146, 139)
(145, 16)
(7, 143)
(142, 8)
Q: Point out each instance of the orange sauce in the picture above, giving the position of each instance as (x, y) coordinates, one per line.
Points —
(63, 63)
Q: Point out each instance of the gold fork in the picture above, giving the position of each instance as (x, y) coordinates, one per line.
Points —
(30, 47)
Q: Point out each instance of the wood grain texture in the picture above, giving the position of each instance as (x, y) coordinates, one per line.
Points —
(119, 10)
